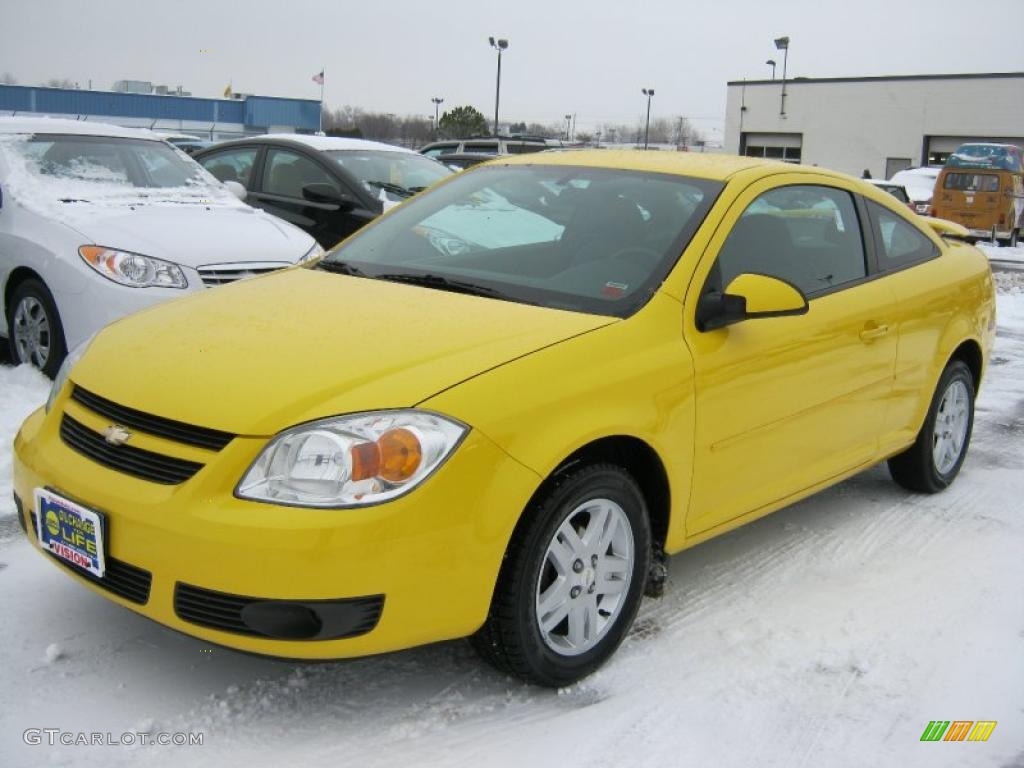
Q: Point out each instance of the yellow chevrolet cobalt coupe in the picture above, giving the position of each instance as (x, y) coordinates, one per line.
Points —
(494, 411)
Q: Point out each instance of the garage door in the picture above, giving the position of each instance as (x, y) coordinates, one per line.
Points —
(939, 148)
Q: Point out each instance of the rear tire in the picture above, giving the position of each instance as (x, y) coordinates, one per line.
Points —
(34, 330)
(932, 463)
(572, 579)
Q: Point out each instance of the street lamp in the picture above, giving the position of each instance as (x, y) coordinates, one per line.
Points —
(568, 124)
(771, 63)
(499, 45)
(782, 44)
(437, 104)
(648, 92)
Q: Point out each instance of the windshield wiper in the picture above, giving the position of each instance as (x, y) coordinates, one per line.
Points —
(443, 284)
(394, 188)
(340, 267)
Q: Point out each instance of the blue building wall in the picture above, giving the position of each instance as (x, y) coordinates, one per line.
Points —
(254, 112)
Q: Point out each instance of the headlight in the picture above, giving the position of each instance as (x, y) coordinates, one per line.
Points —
(350, 461)
(133, 269)
(65, 370)
(313, 253)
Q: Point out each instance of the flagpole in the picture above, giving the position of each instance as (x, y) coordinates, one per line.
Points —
(323, 78)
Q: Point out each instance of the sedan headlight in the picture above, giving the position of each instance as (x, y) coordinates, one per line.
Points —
(350, 461)
(65, 370)
(133, 269)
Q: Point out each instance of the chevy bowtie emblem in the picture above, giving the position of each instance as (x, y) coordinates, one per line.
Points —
(115, 434)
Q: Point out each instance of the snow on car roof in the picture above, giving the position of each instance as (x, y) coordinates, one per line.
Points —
(334, 142)
(77, 127)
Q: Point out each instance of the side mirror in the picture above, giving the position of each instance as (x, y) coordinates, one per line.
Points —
(236, 189)
(749, 297)
(324, 193)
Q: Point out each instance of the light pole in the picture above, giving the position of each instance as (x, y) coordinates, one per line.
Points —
(771, 63)
(782, 44)
(437, 104)
(648, 92)
(499, 45)
(568, 125)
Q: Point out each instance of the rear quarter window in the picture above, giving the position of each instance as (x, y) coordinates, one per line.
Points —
(898, 242)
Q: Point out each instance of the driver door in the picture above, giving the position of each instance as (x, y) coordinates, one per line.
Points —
(786, 403)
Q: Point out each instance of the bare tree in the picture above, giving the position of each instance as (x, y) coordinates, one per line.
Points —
(54, 82)
(8, 79)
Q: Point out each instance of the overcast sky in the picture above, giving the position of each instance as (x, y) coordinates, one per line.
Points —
(591, 58)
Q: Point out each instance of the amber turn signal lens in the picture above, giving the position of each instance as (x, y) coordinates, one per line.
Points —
(400, 455)
(365, 461)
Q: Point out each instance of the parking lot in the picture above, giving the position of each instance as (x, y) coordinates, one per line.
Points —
(829, 633)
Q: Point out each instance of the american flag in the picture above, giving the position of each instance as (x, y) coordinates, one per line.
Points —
(319, 78)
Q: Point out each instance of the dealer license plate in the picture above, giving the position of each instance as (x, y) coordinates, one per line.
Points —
(70, 531)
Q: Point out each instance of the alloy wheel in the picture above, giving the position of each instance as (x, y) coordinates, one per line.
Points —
(584, 577)
(951, 422)
(31, 332)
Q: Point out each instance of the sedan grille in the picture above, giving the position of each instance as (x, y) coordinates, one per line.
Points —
(155, 425)
(221, 274)
(124, 458)
(118, 577)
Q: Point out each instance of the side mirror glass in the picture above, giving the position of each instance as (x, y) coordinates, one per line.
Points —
(749, 297)
(236, 189)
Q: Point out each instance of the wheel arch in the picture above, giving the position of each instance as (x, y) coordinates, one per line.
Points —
(637, 457)
(969, 352)
(17, 276)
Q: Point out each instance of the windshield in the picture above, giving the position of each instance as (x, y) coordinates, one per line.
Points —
(584, 239)
(389, 175)
(103, 169)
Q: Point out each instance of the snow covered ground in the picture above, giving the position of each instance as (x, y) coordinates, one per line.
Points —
(828, 634)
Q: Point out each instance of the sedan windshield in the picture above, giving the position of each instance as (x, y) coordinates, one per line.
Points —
(584, 239)
(105, 169)
(389, 175)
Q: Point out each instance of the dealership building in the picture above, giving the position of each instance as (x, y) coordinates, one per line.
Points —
(206, 118)
(878, 124)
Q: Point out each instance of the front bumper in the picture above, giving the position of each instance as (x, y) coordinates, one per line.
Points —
(418, 569)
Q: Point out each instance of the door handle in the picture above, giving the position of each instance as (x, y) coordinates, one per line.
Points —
(874, 331)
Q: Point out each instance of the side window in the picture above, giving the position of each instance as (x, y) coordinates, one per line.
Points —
(232, 165)
(899, 242)
(288, 172)
(446, 149)
(807, 235)
(486, 147)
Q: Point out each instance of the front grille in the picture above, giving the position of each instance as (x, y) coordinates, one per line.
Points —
(155, 425)
(214, 276)
(223, 611)
(118, 577)
(122, 579)
(132, 461)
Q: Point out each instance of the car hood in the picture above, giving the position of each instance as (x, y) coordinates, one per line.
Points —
(194, 235)
(266, 353)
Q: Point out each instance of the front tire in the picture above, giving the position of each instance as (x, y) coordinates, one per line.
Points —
(34, 330)
(935, 458)
(572, 579)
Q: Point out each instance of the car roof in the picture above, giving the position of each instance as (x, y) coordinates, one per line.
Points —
(76, 127)
(883, 183)
(697, 164)
(323, 142)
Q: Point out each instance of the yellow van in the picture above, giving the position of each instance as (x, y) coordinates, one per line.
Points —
(982, 188)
